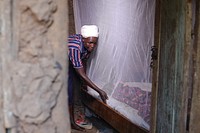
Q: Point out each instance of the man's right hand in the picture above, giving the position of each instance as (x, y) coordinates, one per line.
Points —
(85, 78)
(103, 95)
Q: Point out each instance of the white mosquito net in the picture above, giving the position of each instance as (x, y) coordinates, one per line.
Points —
(121, 63)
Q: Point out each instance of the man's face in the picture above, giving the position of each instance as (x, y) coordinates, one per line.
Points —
(90, 43)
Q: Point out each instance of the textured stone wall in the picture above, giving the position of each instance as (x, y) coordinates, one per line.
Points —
(33, 62)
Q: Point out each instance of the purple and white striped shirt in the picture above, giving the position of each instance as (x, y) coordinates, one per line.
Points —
(77, 51)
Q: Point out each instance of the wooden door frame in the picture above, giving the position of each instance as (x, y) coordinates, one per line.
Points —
(194, 125)
(155, 68)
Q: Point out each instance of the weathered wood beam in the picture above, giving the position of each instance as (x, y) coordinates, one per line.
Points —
(194, 114)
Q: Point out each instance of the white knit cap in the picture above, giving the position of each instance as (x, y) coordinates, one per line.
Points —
(89, 31)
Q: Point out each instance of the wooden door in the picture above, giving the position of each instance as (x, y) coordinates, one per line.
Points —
(174, 74)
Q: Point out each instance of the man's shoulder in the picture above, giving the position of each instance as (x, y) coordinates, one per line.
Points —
(75, 36)
(75, 41)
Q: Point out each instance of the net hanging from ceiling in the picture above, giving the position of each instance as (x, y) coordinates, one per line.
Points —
(121, 63)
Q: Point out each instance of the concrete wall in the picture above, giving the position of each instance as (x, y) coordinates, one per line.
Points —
(33, 72)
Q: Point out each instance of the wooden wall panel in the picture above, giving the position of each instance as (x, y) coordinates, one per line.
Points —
(195, 109)
(171, 67)
(71, 17)
(155, 69)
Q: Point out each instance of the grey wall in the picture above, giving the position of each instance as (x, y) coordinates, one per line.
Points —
(33, 72)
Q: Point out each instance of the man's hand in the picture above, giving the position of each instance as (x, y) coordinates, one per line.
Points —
(103, 95)
(85, 78)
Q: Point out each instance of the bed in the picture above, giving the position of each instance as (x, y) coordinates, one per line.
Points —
(128, 103)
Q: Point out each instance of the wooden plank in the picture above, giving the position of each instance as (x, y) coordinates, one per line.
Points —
(194, 114)
(155, 69)
(112, 117)
(171, 67)
(188, 70)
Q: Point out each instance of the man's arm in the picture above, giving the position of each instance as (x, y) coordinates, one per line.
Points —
(83, 75)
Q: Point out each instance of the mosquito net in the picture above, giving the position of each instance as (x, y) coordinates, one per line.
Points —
(121, 63)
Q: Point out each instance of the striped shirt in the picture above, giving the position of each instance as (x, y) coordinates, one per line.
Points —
(77, 51)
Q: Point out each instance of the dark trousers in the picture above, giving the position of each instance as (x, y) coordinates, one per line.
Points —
(74, 87)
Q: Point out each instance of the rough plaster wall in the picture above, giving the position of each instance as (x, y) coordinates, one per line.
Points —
(1, 91)
(34, 60)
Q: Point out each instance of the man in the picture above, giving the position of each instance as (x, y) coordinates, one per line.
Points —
(80, 46)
